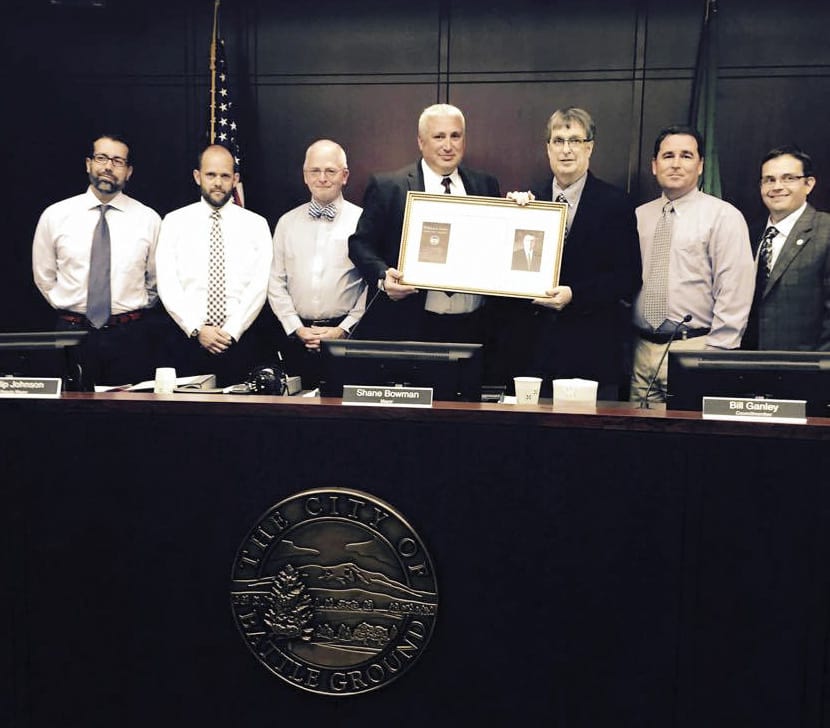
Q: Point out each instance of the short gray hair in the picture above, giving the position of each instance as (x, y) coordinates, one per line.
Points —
(439, 110)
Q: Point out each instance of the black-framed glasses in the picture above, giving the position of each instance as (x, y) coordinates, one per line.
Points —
(102, 159)
(784, 179)
(575, 142)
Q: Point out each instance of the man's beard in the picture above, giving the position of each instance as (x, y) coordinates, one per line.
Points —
(107, 186)
(213, 203)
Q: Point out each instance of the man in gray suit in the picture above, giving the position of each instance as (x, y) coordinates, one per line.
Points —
(791, 309)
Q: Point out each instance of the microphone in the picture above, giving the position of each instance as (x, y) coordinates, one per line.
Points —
(644, 401)
(365, 311)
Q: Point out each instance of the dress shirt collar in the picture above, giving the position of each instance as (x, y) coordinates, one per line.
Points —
(119, 202)
(432, 181)
(785, 226)
(208, 208)
(681, 203)
(572, 192)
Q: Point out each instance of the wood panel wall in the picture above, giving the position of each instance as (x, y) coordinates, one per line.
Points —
(361, 72)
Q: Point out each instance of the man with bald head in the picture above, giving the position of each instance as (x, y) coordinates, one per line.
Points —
(315, 290)
(212, 264)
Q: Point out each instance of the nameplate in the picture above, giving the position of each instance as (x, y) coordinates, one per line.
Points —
(755, 409)
(37, 387)
(387, 396)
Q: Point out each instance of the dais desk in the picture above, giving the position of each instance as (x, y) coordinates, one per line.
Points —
(602, 567)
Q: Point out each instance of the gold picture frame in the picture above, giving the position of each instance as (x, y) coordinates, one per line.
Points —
(484, 245)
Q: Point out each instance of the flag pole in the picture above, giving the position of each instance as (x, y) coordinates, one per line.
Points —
(213, 37)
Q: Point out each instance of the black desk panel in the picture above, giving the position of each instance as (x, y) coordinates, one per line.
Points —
(602, 568)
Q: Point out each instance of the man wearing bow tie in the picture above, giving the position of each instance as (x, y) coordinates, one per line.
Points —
(791, 309)
(315, 290)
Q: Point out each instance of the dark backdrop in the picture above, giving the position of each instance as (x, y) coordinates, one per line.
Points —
(361, 72)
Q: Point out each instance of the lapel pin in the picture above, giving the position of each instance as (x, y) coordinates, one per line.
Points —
(800, 241)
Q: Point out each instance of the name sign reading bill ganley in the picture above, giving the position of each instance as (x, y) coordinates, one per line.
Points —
(334, 592)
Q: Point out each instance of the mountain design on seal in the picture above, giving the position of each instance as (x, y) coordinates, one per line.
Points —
(351, 576)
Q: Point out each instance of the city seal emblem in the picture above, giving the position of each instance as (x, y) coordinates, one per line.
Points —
(334, 592)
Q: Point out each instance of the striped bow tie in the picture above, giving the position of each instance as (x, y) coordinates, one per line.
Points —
(316, 210)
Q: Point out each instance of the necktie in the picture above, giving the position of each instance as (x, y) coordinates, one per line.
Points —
(326, 212)
(765, 253)
(561, 198)
(216, 312)
(98, 297)
(655, 287)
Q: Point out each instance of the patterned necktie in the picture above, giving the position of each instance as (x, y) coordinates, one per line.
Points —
(98, 297)
(765, 252)
(564, 200)
(655, 287)
(216, 312)
(318, 211)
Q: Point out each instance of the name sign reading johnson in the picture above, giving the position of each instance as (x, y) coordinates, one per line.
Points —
(334, 592)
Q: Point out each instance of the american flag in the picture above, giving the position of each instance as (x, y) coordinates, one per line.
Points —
(222, 124)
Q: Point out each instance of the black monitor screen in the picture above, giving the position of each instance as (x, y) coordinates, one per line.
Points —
(803, 375)
(40, 354)
(453, 371)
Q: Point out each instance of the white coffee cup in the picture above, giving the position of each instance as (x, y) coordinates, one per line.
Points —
(527, 389)
(165, 380)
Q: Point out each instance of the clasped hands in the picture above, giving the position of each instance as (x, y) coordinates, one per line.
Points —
(214, 340)
(311, 336)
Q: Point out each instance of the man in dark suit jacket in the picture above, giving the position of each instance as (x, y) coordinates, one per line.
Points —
(582, 328)
(400, 311)
(791, 309)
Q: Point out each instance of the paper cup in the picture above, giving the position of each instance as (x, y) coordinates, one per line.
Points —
(165, 381)
(527, 389)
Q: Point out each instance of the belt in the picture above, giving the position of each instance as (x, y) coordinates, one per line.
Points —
(323, 322)
(661, 338)
(114, 320)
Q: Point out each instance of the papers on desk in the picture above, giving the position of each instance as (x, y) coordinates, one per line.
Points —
(196, 383)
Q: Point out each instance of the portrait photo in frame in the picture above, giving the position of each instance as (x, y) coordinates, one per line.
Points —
(484, 245)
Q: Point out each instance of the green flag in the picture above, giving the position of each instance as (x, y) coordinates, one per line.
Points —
(704, 98)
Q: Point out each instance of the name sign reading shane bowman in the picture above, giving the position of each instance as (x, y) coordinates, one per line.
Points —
(334, 592)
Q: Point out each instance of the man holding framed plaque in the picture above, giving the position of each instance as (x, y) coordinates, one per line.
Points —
(400, 311)
(580, 329)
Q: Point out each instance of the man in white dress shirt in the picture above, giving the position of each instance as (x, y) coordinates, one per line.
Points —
(212, 262)
(315, 290)
(120, 344)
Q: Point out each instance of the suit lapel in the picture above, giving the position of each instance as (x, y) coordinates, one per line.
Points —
(796, 241)
(415, 178)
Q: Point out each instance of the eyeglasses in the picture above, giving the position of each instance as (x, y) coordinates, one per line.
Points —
(328, 172)
(574, 142)
(784, 179)
(102, 159)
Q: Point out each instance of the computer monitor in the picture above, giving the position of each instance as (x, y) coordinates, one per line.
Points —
(803, 375)
(41, 354)
(454, 371)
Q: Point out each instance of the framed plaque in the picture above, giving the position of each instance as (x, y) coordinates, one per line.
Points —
(484, 245)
